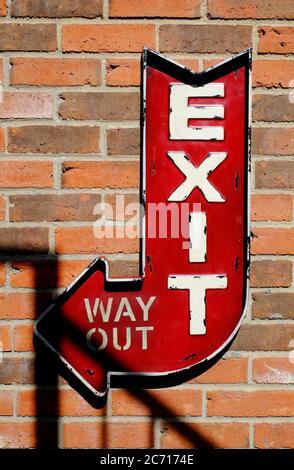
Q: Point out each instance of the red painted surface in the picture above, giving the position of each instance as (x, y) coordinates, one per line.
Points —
(170, 346)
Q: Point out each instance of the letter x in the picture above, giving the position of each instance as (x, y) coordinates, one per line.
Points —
(196, 176)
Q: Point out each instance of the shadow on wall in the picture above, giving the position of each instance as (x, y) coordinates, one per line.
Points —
(48, 368)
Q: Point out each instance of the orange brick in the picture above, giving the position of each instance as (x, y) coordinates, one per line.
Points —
(123, 72)
(69, 402)
(278, 40)
(272, 73)
(2, 208)
(227, 370)
(211, 62)
(3, 9)
(23, 338)
(157, 403)
(273, 141)
(1, 70)
(23, 435)
(46, 274)
(278, 241)
(274, 436)
(2, 274)
(55, 72)
(6, 403)
(119, 208)
(108, 435)
(241, 403)
(100, 174)
(273, 370)
(262, 9)
(271, 273)
(197, 435)
(107, 37)
(82, 240)
(271, 207)
(17, 306)
(5, 338)
(53, 139)
(190, 63)
(154, 9)
(2, 140)
(57, 8)
(264, 337)
(15, 105)
(26, 174)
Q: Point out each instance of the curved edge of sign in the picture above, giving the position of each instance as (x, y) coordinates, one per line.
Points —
(185, 75)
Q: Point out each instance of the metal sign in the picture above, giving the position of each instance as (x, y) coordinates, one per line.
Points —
(186, 307)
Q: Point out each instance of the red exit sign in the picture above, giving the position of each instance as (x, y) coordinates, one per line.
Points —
(186, 307)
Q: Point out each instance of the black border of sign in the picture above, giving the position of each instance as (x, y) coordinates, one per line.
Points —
(181, 73)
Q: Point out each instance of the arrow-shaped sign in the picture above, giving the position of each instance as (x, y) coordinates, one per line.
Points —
(187, 305)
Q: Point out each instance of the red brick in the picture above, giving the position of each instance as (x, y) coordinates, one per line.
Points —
(54, 72)
(272, 73)
(277, 40)
(6, 403)
(210, 435)
(46, 274)
(274, 174)
(3, 9)
(261, 9)
(23, 337)
(26, 174)
(53, 207)
(107, 37)
(271, 273)
(53, 139)
(124, 268)
(264, 337)
(123, 72)
(100, 106)
(2, 140)
(17, 306)
(22, 435)
(82, 240)
(2, 208)
(28, 37)
(157, 403)
(24, 240)
(272, 207)
(273, 141)
(278, 305)
(212, 62)
(108, 435)
(242, 403)
(56, 8)
(273, 370)
(155, 9)
(274, 436)
(122, 209)
(226, 371)
(17, 370)
(70, 403)
(123, 141)
(204, 38)
(5, 339)
(2, 274)
(190, 63)
(279, 241)
(100, 174)
(26, 105)
(1, 70)
(275, 108)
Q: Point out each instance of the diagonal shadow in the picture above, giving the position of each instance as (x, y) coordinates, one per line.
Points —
(158, 409)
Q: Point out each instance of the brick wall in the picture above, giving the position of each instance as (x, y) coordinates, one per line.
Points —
(69, 138)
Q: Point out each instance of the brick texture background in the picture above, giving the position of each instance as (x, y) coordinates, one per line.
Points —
(69, 138)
